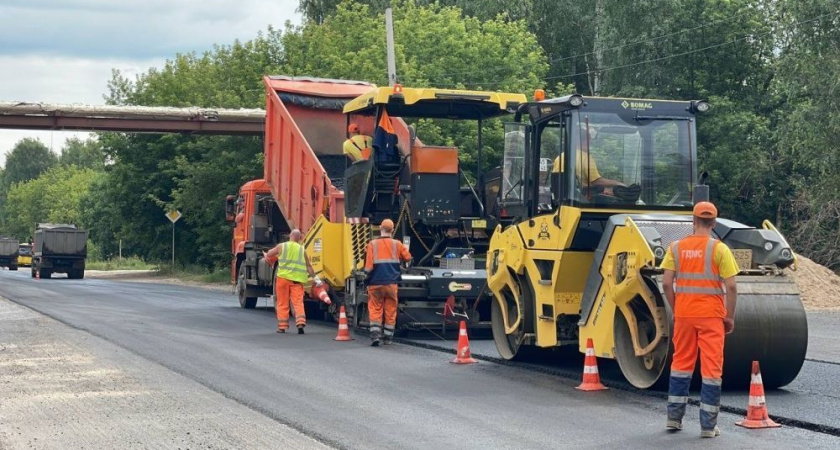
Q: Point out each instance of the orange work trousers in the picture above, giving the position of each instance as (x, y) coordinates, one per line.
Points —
(705, 334)
(285, 292)
(381, 298)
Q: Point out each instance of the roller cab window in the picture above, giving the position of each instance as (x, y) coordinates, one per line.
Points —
(616, 160)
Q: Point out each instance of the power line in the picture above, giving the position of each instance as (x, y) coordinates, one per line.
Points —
(662, 58)
(640, 41)
(677, 55)
(653, 39)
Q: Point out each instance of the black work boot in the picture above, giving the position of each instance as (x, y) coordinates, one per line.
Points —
(300, 329)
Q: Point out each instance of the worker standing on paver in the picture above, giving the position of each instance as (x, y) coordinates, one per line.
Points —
(357, 147)
(382, 265)
(292, 269)
(697, 269)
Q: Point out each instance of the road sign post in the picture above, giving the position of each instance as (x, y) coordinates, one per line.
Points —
(173, 217)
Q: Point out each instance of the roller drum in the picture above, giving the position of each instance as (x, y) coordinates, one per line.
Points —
(770, 327)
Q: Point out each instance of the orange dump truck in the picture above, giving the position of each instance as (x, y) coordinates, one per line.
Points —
(309, 184)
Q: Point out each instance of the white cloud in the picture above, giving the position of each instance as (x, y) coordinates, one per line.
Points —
(134, 28)
(57, 80)
(62, 51)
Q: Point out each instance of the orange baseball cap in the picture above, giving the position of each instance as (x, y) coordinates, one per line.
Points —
(705, 210)
(353, 128)
(387, 224)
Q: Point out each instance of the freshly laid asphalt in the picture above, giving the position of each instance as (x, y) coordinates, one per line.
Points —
(349, 395)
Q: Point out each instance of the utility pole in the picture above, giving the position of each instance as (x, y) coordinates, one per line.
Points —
(598, 44)
(389, 36)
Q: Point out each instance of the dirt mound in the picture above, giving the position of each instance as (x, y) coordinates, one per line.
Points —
(820, 287)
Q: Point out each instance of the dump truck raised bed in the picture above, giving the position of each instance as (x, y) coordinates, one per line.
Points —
(9, 253)
(59, 248)
(339, 205)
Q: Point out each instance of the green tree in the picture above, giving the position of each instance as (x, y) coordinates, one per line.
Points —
(82, 153)
(56, 196)
(435, 46)
(28, 159)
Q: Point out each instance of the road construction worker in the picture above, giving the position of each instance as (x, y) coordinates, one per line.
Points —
(357, 147)
(292, 269)
(586, 170)
(697, 269)
(382, 265)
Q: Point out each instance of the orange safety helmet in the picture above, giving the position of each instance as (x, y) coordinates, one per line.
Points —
(352, 128)
(387, 224)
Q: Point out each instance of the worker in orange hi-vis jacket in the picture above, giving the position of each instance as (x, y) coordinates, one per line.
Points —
(293, 270)
(382, 265)
(697, 269)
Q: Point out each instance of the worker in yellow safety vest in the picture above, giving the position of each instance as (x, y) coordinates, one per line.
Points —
(293, 271)
(357, 147)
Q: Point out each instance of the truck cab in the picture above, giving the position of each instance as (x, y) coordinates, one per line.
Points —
(257, 226)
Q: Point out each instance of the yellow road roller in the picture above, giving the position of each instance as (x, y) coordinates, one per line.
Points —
(592, 192)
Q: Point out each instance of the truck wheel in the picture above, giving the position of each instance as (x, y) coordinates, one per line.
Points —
(241, 286)
(46, 273)
(76, 274)
(13, 267)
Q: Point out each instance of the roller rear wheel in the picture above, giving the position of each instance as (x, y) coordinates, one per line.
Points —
(648, 371)
(512, 346)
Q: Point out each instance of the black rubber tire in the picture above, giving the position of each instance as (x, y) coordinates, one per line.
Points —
(76, 274)
(244, 302)
(653, 374)
(510, 347)
(15, 268)
(45, 273)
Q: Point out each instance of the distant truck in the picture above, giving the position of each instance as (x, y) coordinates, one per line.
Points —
(59, 248)
(25, 255)
(9, 253)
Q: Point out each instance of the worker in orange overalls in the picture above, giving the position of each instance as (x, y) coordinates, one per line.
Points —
(697, 269)
(292, 269)
(382, 265)
(357, 147)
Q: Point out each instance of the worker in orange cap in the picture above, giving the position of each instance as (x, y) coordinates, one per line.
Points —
(357, 147)
(293, 266)
(697, 269)
(382, 265)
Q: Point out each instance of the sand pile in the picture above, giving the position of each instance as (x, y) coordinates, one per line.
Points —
(820, 287)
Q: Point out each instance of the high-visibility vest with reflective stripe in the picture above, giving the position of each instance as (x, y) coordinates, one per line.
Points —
(386, 262)
(698, 286)
(291, 262)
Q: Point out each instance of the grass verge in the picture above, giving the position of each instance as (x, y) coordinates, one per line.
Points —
(130, 263)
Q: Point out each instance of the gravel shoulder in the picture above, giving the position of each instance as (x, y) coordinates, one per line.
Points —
(63, 388)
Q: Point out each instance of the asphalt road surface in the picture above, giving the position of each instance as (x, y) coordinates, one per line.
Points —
(339, 394)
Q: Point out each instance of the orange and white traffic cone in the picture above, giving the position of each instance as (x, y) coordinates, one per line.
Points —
(343, 330)
(463, 356)
(757, 416)
(319, 291)
(591, 378)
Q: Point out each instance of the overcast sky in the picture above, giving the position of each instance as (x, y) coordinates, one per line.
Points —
(62, 51)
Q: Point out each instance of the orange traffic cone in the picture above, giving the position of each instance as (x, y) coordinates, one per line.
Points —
(343, 330)
(319, 291)
(591, 378)
(463, 356)
(757, 416)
